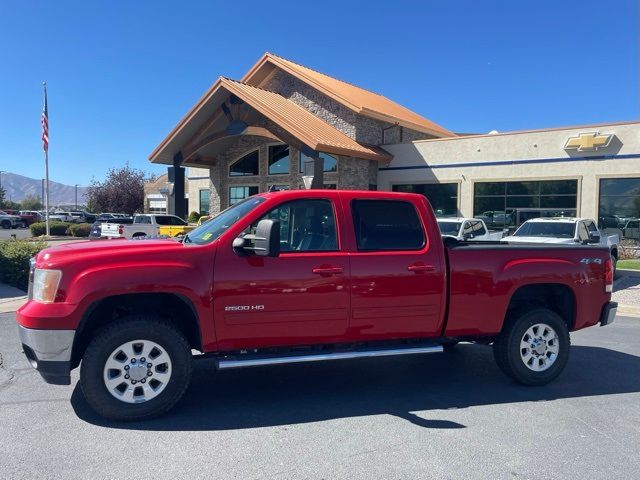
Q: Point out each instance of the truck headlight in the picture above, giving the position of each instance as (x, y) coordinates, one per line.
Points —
(45, 285)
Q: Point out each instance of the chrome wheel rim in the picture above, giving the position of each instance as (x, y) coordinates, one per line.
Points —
(137, 371)
(539, 347)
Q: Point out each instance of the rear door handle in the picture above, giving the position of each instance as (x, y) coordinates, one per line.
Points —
(421, 268)
(327, 270)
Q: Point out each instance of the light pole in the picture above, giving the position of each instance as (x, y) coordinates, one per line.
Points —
(1, 172)
(76, 197)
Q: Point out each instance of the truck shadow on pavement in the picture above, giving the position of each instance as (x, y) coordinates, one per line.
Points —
(294, 394)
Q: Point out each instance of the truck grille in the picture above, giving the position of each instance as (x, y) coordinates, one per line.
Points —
(32, 267)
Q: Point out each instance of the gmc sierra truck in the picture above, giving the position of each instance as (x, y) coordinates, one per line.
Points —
(301, 276)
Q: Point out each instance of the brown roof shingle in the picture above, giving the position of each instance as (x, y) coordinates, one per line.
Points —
(357, 99)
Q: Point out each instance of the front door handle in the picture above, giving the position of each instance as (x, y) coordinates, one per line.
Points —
(327, 270)
(421, 268)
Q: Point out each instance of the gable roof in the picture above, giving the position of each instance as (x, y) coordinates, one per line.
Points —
(297, 121)
(355, 98)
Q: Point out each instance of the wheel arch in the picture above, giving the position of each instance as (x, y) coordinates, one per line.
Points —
(173, 307)
(557, 297)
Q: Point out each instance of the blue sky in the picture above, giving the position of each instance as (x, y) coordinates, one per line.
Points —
(122, 73)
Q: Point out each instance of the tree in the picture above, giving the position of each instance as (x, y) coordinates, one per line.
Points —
(3, 193)
(31, 202)
(122, 191)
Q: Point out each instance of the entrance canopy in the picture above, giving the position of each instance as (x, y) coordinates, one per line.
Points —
(230, 110)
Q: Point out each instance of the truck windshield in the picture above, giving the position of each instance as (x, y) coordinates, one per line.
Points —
(449, 228)
(212, 229)
(545, 229)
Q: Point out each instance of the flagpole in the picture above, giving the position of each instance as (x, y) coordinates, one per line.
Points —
(46, 166)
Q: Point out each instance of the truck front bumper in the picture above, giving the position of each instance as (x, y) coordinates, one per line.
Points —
(49, 352)
(608, 314)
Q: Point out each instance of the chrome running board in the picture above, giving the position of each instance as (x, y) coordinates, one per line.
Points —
(254, 360)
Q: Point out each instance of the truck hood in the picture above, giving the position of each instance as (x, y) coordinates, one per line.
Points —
(105, 250)
(512, 239)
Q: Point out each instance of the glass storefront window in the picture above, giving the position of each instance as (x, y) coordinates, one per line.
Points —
(509, 204)
(619, 206)
(443, 197)
(240, 193)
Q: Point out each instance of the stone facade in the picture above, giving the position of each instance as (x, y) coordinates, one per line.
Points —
(352, 174)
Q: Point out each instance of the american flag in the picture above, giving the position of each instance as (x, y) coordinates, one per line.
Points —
(45, 123)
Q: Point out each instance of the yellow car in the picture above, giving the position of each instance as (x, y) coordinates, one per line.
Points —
(175, 230)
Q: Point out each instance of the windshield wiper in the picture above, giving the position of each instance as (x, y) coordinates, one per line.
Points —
(186, 239)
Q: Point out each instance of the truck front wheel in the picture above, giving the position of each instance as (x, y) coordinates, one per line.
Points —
(136, 369)
(533, 347)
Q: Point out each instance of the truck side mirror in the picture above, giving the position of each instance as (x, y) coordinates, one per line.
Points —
(267, 238)
(265, 242)
(594, 237)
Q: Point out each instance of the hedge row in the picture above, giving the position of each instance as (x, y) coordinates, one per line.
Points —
(61, 228)
(14, 261)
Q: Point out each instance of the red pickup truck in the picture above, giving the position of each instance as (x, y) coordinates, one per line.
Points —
(299, 276)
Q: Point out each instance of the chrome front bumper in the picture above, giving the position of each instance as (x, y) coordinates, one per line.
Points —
(49, 352)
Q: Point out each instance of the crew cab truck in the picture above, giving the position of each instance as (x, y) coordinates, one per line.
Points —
(467, 229)
(300, 276)
(147, 225)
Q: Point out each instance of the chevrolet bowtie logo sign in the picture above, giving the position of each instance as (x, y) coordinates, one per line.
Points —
(588, 142)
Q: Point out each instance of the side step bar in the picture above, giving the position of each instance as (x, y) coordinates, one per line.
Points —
(250, 360)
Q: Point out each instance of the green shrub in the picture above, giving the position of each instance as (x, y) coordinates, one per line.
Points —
(55, 228)
(193, 217)
(14, 261)
(80, 229)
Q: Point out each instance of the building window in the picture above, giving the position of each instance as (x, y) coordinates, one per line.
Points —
(156, 203)
(443, 197)
(205, 197)
(240, 193)
(619, 206)
(278, 159)
(246, 166)
(330, 162)
(509, 204)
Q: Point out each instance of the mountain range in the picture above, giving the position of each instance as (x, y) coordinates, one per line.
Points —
(17, 187)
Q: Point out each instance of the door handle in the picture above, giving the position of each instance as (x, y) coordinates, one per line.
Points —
(327, 270)
(421, 268)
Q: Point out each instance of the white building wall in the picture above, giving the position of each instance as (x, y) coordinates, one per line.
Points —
(533, 155)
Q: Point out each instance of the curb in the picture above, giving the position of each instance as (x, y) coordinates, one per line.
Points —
(628, 311)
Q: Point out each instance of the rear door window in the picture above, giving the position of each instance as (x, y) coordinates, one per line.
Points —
(387, 225)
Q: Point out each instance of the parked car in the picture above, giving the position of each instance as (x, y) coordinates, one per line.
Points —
(467, 229)
(567, 230)
(300, 276)
(632, 229)
(8, 221)
(114, 227)
(150, 225)
(96, 230)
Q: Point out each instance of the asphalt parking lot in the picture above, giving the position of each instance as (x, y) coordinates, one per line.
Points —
(450, 415)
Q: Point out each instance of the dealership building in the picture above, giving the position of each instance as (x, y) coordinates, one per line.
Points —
(282, 122)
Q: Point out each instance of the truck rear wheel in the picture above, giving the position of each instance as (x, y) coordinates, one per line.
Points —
(533, 347)
(136, 369)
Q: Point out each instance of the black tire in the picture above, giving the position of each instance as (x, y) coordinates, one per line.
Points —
(6, 224)
(135, 327)
(506, 348)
